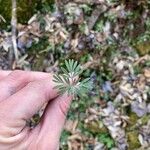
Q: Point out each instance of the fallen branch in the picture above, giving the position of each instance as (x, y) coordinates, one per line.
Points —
(89, 1)
(14, 26)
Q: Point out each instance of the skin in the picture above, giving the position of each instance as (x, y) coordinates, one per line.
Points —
(22, 94)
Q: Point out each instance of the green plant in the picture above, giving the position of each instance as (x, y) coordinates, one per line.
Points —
(112, 1)
(107, 140)
(84, 28)
(69, 81)
(99, 26)
(147, 23)
(64, 137)
(86, 8)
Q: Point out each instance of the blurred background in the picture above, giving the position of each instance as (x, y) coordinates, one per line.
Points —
(111, 40)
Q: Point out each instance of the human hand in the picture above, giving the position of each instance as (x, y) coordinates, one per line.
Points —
(22, 94)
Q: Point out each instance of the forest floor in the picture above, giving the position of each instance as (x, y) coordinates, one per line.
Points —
(111, 40)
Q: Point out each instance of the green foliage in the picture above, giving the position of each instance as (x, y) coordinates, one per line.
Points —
(85, 58)
(39, 46)
(107, 140)
(64, 138)
(99, 26)
(86, 8)
(47, 7)
(112, 1)
(143, 37)
(132, 14)
(84, 28)
(111, 17)
(137, 69)
(25, 9)
(70, 82)
(147, 63)
(147, 23)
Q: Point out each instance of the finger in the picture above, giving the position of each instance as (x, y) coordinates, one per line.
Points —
(53, 121)
(4, 74)
(16, 80)
(30, 99)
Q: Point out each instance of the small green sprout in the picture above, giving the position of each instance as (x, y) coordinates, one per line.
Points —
(69, 81)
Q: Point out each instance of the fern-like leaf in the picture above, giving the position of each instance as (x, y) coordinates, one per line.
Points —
(70, 82)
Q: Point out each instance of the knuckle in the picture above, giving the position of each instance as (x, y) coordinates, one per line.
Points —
(35, 85)
(17, 75)
(10, 83)
(17, 72)
(38, 88)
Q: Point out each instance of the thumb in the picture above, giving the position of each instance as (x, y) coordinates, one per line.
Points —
(53, 121)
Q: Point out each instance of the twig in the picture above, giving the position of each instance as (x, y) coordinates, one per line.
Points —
(14, 26)
(2, 19)
(88, 1)
(146, 57)
(99, 10)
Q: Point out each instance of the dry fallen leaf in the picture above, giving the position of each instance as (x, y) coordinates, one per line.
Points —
(147, 73)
